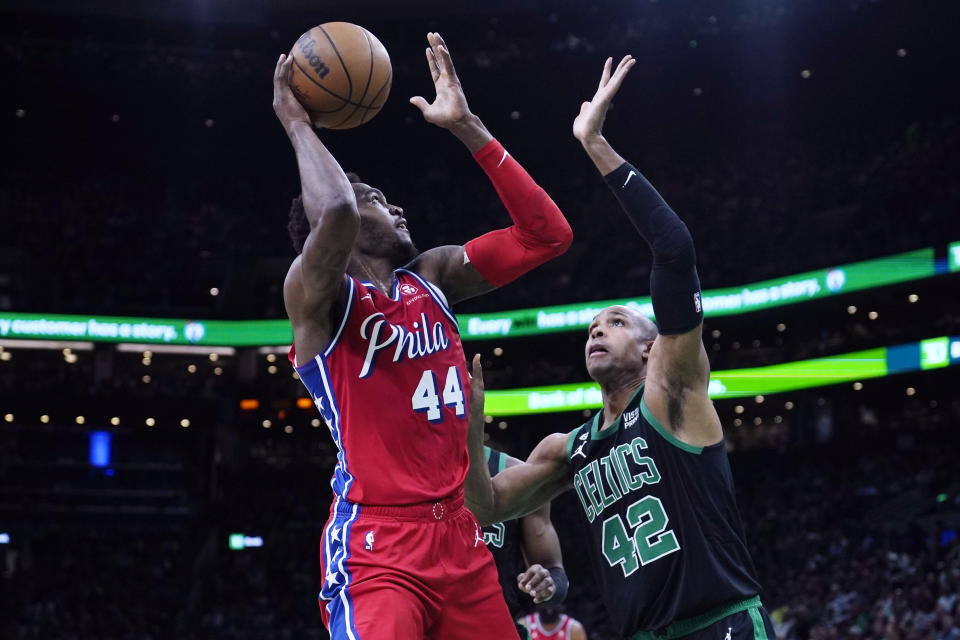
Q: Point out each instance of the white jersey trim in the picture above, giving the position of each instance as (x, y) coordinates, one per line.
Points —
(347, 308)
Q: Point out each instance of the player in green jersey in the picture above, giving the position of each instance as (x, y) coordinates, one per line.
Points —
(650, 469)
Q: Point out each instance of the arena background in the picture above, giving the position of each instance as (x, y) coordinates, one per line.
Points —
(143, 170)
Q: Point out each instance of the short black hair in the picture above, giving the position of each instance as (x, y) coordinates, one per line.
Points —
(298, 226)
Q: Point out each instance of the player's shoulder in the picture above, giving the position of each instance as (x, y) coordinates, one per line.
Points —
(296, 295)
(576, 629)
(574, 438)
(431, 263)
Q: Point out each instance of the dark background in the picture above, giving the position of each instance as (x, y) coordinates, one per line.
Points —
(143, 165)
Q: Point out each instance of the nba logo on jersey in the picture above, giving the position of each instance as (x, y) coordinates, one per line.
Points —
(368, 544)
(408, 289)
(696, 302)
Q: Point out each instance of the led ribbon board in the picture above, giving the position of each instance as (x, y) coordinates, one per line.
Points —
(234, 333)
(857, 276)
(954, 257)
(741, 383)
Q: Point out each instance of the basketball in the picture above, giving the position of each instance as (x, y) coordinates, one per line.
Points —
(341, 74)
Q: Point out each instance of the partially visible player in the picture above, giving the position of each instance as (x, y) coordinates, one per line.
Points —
(378, 348)
(549, 622)
(526, 551)
(651, 468)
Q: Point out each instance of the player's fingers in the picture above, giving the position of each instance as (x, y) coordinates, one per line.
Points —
(434, 49)
(605, 76)
(476, 392)
(442, 53)
(286, 70)
(432, 63)
(420, 103)
(545, 592)
(278, 70)
(534, 579)
(618, 77)
(476, 379)
(477, 369)
(446, 62)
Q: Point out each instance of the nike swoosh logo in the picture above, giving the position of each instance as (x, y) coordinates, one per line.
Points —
(629, 175)
(503, 158)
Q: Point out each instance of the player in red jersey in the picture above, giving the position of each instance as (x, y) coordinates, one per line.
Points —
(549, 622)
(379, 350)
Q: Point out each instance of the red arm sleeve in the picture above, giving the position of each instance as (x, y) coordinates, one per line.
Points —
(539, 231)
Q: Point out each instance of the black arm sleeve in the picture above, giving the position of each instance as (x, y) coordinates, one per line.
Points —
(674, 284)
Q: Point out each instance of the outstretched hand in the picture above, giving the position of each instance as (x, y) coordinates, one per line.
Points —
(590, 121)
(449, 108)
(285, 103)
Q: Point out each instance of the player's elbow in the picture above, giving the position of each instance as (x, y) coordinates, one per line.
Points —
(675, 249)
(564, 237)
(555, 235)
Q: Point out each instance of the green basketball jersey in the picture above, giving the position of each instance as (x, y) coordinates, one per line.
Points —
(504, 539)
(666, 541)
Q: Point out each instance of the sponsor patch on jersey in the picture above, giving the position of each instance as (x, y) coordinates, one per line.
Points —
(630, 418)
(408, 289)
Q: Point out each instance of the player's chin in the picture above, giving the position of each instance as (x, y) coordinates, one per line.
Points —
(405, 247)
(598, 369)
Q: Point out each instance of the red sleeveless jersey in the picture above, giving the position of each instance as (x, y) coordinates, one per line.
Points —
(537, 632)
(393, 388)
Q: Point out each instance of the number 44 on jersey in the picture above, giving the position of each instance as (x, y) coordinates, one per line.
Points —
(426, 399)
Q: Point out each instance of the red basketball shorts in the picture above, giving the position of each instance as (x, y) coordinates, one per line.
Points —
(420, 571)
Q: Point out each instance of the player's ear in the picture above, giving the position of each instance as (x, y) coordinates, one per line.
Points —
(647, 348)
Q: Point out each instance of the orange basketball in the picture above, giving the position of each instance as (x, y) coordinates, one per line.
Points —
(341, 74)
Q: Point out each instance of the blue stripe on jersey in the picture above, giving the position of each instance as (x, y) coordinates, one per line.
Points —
(436, 296)
(345, 592)
(340, 603)
(342, 479)
(316, 378)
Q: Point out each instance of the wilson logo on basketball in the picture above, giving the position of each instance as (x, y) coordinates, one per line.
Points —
(408, 289)
(306, 44)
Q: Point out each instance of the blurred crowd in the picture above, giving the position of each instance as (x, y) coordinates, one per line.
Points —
(854, 537)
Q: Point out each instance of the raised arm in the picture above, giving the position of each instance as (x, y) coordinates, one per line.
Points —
(678, 372)
(539, 231)
(518, 490)
(315, 279)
